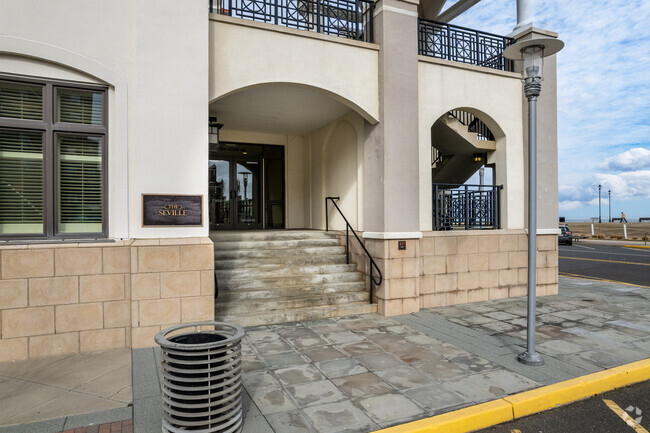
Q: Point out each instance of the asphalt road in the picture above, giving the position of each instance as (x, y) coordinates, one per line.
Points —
(612, 263)
(593, 415)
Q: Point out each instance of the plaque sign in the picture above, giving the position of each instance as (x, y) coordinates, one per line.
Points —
(172, 210)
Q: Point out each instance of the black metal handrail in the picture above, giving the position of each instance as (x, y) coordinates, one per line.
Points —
(468, 206)
(348, 227)
(474, 124)
(351, 19)
(460, 44)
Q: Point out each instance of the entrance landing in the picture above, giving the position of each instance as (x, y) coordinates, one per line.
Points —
(277, 276)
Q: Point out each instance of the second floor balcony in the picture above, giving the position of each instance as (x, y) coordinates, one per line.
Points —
(460, 44)
(350, 19)
(353, 19)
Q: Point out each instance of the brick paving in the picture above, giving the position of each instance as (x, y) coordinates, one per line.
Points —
(125, 426)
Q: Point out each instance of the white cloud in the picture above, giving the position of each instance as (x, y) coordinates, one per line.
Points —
(634, 159)
(603, 92)
(629, 185)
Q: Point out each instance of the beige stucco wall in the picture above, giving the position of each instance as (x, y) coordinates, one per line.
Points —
(67, 298)
(157, 117)
(345, 70)
(494, 96)
(336, 169)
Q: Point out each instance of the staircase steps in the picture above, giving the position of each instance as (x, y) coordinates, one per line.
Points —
(281, 276)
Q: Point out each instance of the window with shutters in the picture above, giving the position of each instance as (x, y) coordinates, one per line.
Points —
(52, 159)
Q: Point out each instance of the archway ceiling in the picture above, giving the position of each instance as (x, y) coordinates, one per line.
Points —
(278, 108)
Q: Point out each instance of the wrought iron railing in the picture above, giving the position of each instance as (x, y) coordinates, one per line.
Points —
(348, 228)
(460, 44)
(474, 124)
(351, 19)
(467, 207)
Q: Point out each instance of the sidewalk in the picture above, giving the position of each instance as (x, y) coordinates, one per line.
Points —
(364, 373)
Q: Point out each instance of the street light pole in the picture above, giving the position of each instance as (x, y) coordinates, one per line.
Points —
(609, 203)
(532, 51)
(599, 187)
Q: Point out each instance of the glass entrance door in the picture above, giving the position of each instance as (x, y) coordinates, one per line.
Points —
(245, 186)
(247, 176)
(219, 191)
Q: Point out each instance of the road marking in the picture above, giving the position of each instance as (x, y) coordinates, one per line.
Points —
(604, 280)
(515, 431)
(609, 253)
(625, 417)
(607, 261)
(589, 248)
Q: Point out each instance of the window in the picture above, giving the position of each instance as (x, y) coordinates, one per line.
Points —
(52, 159)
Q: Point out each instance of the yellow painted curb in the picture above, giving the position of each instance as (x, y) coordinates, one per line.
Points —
(637, 246)
(528, 402)
(459, 421)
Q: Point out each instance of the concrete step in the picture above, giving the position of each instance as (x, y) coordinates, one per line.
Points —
(274, 253)
(275, 244)
(273, 271)
(297, 315)
(226, 295)
(305, 280)
(269, 235)
(289, 303)
(280, 261)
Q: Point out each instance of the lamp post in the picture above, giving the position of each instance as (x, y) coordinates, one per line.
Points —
(609, 203)
(599, 187)
(532, 51)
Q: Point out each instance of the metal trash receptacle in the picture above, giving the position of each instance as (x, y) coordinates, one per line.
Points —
(201, 386)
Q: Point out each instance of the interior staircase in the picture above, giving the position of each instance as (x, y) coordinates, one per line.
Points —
(277, 276)
(457, 137)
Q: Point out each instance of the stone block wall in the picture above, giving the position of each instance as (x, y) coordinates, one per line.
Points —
(78, 297)
(472, 266)
(456, 267)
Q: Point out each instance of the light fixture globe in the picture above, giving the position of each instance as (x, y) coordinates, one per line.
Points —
(549, 47)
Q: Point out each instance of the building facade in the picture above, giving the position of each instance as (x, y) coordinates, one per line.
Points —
(132, 133)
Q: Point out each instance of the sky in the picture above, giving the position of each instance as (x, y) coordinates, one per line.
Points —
(603, 98)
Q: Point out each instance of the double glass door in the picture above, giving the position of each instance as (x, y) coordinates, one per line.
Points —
(235, 193)
(246, 186)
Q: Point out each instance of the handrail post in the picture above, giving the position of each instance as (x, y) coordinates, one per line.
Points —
(327, 219)
(347, 244)
(371, 281)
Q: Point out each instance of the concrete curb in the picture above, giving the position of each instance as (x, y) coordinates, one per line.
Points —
(637, 246)
(528, 402)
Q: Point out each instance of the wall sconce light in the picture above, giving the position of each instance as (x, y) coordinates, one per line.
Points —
(478, 157)
(213, 130)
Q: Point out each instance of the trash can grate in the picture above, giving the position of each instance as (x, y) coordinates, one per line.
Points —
(201, 386)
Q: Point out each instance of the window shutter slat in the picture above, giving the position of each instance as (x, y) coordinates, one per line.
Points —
(21, 101)
(79, 183)
(21, 182)
(79, 106)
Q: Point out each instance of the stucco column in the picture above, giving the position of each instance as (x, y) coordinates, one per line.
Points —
(391, 162)
(391, 182)
(547, 154)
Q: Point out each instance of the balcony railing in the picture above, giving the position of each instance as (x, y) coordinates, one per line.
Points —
(460, 44)
(351, 19)
(467, 207)
(474, 124)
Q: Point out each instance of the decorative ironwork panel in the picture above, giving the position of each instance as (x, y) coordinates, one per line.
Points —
(460, 44)
(351, 19)
(468, 207)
